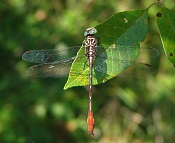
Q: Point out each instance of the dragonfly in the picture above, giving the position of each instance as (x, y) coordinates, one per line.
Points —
(57, 63)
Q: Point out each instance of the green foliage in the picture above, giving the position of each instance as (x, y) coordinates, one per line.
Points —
(124, 29)
(127, 109)
(127, 28)
(166, 24)
(133, 23)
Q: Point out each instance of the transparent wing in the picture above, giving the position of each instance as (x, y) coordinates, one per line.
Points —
(122, 57)
(67, 54)
(54, 70)
(57, 63)
(50, 55)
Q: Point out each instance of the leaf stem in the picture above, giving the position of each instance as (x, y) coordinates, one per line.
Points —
(157, 2)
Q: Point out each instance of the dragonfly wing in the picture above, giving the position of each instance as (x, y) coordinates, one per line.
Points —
(53, 63)
(147, 53)
(144, 52)
(57, 63)
(50, 55)
(55, 70)
(117, 59)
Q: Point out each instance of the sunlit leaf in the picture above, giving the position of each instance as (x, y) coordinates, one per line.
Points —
(124, 29)
(166, 24)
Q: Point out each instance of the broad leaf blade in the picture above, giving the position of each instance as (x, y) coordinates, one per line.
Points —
(127, 28)
(112, 29)
(166, 24)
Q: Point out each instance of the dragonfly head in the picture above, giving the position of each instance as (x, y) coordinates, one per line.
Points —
(90, 32)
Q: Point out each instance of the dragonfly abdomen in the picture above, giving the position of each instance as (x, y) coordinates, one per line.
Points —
(90, 123)
(90, 44)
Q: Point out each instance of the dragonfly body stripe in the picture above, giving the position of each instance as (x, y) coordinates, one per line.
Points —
(90, 44)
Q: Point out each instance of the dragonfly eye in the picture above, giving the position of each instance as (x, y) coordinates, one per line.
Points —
(85, 34)
(90, 31)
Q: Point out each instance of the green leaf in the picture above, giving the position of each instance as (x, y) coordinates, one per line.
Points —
(124, 29)
(166, 24)
(135, 22)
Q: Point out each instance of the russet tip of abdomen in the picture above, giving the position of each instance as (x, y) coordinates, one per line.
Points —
(90, 123)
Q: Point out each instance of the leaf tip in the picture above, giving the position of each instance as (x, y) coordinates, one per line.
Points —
(65, 88)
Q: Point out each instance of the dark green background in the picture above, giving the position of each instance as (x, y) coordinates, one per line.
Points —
(34, 110)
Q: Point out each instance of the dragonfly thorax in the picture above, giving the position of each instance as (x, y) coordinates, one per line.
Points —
(90, 42)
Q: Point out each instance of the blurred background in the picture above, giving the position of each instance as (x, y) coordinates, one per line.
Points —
(36, 110)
